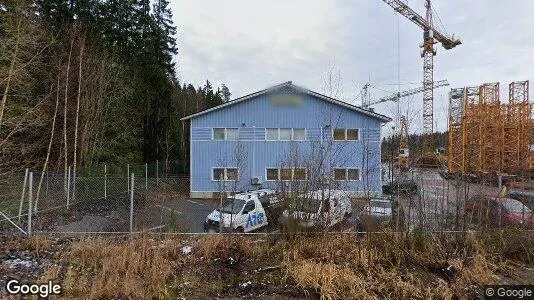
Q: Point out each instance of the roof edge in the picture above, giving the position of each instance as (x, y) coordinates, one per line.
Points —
(369, 113)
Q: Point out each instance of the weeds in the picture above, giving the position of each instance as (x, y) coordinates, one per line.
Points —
(329, 266)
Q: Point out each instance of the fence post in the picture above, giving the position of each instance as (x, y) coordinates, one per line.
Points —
(157, 173)
(73, 185)
(146, 176)
(68, 188)
(105, 181)
(30, 195)
(23, 192)
(128, 176)
(131, 202)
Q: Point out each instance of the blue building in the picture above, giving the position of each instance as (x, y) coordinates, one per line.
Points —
(281, 136)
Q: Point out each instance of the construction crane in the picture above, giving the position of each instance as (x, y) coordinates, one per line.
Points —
(397, 96)
(430, 36)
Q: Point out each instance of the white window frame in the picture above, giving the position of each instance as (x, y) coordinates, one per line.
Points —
(225, 129)
(345, 135)
(290, 134)
(346, 177)
(359, 174)
(279, 177)
(293, 135)
(277, 135)
(292, 138)
(273, 168)
(226, 133)
(225, 174)
(213, 133)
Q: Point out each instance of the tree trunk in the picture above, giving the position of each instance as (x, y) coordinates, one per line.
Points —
(10, 75)
(49, 146)
(65, 122)
(77, 111)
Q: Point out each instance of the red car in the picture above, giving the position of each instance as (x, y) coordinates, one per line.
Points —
(499, 211)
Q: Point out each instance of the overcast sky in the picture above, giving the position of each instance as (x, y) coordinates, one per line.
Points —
(251, 45)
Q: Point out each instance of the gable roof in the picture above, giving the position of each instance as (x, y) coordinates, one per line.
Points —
(369, 113)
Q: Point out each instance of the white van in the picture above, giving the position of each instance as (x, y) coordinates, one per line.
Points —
(244, 212)
(323, 208)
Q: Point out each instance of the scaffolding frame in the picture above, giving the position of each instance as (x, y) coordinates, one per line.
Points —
(487, 136)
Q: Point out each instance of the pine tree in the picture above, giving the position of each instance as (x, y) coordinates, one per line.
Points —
(225, 91)
(163, 20)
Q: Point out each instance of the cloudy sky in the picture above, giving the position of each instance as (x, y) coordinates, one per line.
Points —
(251, 45)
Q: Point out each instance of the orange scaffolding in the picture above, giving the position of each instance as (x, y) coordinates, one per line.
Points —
(486, 135)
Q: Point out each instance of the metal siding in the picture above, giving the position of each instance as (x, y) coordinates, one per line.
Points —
(254, 115)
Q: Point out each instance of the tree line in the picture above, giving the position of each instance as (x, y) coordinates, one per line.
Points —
(89, 82)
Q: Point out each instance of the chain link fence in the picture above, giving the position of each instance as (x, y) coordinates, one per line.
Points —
(135, 198)
(103, 200)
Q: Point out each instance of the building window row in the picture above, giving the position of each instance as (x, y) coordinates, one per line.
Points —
(286, 134)
(221, 134)
(286, 174)
(346, 134)
(225, 174)
(346, 174)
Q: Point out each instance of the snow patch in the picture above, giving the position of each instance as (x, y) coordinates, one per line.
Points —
(245, 285)
(17, 263)
(186, 250)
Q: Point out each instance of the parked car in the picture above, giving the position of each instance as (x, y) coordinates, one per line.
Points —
(497, 211)
(379, 212)
(244, 212)
(524, 196)
(407, 187)
(323, 208)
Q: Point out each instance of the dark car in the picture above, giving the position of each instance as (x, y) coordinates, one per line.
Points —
(498, 211)
(407, 187)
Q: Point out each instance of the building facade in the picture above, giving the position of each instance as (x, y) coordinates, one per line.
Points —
(284, 137)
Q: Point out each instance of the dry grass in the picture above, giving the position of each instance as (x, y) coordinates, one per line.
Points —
(35, 243)
(137, 268)
(333, 266)
(389, 265)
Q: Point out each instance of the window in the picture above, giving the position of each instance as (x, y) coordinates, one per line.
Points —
(225, 174)
(285, 174)
(352, 174)
(271, 134)
(339, 134)
(272, 174)
(250, 206)
(285, 134)
(218, 133)
(231, 174)
(346, 134)
(222, 134)
(352, 134)
(299, 174)
(299, 134)
(218, 174)
(232, 134)
(340, 174)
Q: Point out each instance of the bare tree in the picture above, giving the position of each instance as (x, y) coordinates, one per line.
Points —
(49, 146)
(65, 110)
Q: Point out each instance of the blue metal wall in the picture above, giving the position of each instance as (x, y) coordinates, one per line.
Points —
(252, 153)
